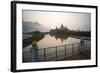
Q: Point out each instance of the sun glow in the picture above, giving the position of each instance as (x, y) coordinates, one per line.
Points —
(51, 20)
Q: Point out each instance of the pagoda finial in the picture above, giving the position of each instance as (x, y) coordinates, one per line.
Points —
(62, 25)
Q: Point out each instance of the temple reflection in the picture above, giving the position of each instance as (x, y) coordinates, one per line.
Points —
(61, 37)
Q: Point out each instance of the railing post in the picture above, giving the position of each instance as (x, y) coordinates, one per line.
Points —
(86, 46)
(56, 53)
(79, 48)
(44, 54)
(65, 50)
(72, 49)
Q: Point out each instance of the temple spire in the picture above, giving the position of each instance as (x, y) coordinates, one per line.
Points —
(62, 26)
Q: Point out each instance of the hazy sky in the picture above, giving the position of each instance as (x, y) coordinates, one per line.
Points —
(51, 20)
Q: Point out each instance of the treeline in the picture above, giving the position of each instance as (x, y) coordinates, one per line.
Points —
(77, 33)
(80, 33)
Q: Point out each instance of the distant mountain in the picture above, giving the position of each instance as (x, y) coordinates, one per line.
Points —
(30, 26)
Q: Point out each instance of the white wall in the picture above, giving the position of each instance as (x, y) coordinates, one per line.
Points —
(5, 36)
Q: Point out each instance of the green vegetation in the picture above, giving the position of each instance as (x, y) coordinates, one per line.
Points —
(34, 44)
(37, 35)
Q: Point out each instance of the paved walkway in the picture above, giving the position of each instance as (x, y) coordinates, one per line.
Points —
(86, 55)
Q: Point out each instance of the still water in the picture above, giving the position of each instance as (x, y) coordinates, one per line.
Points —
(51, 41)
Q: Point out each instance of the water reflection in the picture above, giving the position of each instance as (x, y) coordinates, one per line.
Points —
(50, 40)
(56, 40)
(61, 37)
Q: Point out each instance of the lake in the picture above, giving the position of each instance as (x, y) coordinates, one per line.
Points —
(50, 41)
